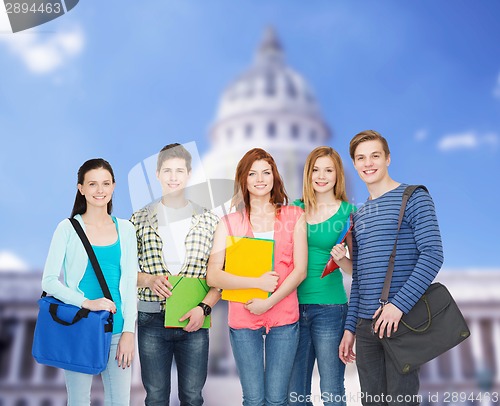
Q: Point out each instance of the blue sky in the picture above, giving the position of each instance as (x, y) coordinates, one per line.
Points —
(120, 81)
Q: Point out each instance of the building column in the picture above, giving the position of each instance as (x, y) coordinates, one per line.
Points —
(59, 378)
(496, 342)
(136, 371)
(456, 364)
(16, 355)
(476, 344)
(37, 377)
(433, 367)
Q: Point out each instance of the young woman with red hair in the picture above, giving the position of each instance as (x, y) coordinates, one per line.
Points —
(260, 200)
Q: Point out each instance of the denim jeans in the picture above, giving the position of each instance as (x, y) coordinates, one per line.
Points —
(264, 363)
(381, 383)
(116, 382)
(157, 346)
(321, 329)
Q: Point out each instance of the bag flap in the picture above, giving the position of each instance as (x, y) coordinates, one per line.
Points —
(48, 300)
(65, 311)
(438, 298)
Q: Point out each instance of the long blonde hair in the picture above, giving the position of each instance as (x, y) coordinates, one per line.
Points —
(339, 191)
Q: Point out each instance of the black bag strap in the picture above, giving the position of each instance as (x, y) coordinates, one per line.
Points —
(384, 296)
(80, 314)
(92, 257)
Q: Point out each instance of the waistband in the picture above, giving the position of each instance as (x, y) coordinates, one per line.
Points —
(149, 307)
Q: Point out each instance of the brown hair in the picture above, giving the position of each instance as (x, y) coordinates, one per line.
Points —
(367, 135)
(173, 151)
(241, 197)
(80, 205)
(339, 191)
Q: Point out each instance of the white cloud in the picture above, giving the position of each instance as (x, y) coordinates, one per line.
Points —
(42, 53)
(421, 135)
(467, 140)
(12, 263)
(496, 90)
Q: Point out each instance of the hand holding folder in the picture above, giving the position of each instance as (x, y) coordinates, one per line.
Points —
(331, 265)
(186, 294)
(249, 257)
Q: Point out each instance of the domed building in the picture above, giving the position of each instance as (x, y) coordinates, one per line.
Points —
(269, 106)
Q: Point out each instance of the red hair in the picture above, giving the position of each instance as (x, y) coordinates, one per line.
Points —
(241, 197)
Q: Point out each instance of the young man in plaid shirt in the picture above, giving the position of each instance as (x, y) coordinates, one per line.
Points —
(174, 237)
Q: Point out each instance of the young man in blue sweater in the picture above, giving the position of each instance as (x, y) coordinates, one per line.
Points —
(418, 260)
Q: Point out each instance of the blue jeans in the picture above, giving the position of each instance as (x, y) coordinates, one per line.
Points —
(381, 383)
(157, 346)
(264, 363)
(321, 329)
(116, 382)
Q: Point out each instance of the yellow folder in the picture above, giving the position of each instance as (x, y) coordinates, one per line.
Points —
(251, 257)
(186, 294)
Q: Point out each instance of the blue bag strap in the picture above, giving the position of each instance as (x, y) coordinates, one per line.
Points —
(92, 257)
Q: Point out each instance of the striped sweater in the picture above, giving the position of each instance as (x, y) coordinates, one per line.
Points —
(419, 253)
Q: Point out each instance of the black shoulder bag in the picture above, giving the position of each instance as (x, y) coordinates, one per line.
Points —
(433, 326)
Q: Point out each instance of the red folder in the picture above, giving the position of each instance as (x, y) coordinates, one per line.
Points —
(331, 265)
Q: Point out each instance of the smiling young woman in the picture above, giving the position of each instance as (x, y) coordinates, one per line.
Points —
(322, 300)
(115, 246)
(261, 212)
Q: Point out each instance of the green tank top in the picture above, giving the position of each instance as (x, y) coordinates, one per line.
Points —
(320, 239)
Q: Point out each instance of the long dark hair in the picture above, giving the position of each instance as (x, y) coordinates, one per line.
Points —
(80, 205)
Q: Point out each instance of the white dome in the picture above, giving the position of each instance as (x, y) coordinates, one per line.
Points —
(269, 106)
(268, 86)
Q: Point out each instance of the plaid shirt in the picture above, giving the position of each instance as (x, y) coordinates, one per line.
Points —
(198, 244)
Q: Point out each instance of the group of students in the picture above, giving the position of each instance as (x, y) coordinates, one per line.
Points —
(275, 341)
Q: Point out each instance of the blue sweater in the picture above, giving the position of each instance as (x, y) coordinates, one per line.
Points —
(419, 254)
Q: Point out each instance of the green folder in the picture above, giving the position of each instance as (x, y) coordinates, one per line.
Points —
(186, 294)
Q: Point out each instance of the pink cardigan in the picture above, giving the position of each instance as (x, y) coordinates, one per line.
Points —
(287, 310)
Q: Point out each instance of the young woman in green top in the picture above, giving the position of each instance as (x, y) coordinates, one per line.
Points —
(322, 301)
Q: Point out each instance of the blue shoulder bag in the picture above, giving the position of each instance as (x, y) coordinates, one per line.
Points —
(70, 337)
